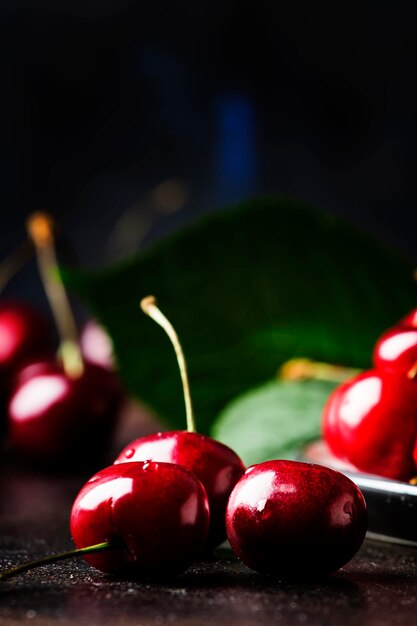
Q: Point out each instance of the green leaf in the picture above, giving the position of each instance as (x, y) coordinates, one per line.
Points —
(273, 421)
(247, 288)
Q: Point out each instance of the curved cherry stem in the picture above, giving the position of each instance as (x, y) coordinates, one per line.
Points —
(54, 558)
(40, 228)
(149, 306)
(13, 263)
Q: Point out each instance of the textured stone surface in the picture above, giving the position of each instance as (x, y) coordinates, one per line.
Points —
(378, 587)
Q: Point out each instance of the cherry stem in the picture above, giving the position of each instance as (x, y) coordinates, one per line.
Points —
(14, 262)
(40, 229)
(53, 558)
(149, 306)
(306, 369)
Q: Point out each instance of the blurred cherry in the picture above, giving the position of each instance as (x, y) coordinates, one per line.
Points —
(24, 331)
(371, 421)
(61, 408)
(396, 351)
(63, 419)
(24, 336)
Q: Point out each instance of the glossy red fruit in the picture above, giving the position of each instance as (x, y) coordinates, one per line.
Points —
(371, 421)
(53, 417)
(396, 351)
(24, 336)
(294, 519)
(156, 514)
(215, 464)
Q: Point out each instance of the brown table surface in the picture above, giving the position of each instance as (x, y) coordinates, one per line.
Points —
(378, 587)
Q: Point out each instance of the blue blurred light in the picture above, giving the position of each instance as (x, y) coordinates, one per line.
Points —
(235, 157)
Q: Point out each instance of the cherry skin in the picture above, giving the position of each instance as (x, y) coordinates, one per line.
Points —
(371, 421)
(53, 417)
(156, 514)
(215, 464)
(24, 336)
(295, 519)
(396, 350)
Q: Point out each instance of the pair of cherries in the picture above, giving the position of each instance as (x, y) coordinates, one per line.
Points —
(171, 496)
(57, 408)
(282, 518)
(371, 420)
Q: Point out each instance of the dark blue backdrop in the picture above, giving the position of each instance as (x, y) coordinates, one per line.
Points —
(102, 101)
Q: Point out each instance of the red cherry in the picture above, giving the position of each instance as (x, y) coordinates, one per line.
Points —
(65, 410)
(156, 514)
(371, 421)
(216, 465)
(396, 351)
(24, 336)
(295, 519)
(53, 417)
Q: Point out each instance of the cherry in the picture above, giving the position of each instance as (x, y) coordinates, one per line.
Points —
(65, 408)
(54, 417)
(24, 332)
(215, 464)
(155, 514)
(146, 520)
(295, 519)
(24, 336)
(371, 421)
(396, 350)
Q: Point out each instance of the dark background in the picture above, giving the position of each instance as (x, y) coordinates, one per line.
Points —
(127, 118)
